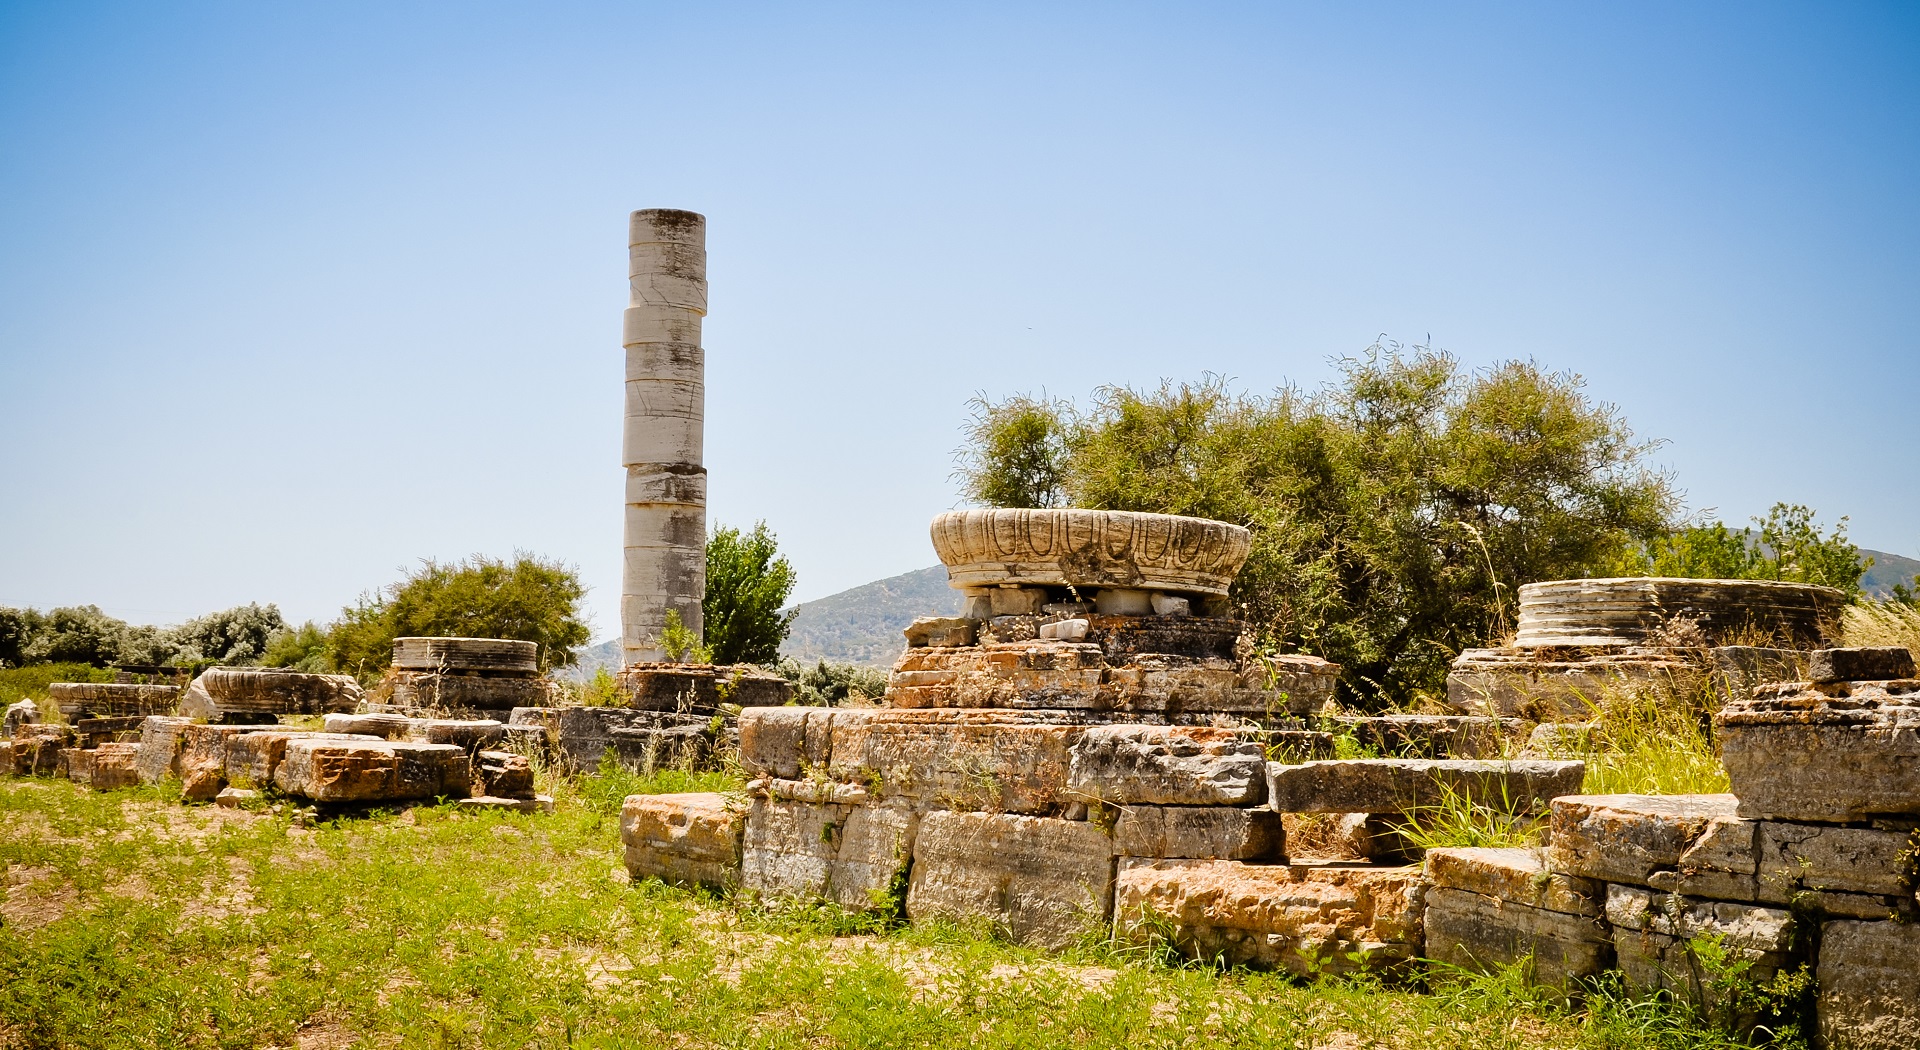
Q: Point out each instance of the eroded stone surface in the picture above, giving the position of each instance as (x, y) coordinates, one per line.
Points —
(942, 631)
(498, 655)
(1044, 881)
(252, 759)
(529, 804)
(1838, 753)
(1300, 917)
(701, 688)
(1869, 986)
(37, 747)
(1479, 933)
(1655, 935)
(969, 760)
(20, 713)
(683, 838)
(1860, 664)
(1168, 766)
(1065, 675)
(1626, 838)
(503, 774)
(386, 727)
(785, 742)
(113, 698)
(203, 759)
(1641, 610)
(1854, 871)
(1402, 785)
(1210, 832)
(160, 742)
(372, 770)
(224, 691)
(1522, 876)
(1089, 549)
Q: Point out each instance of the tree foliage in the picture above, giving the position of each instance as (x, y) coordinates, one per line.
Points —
(528, 598)
(84, 634)
(748, 582)
(1394, 511)
(1787, 545)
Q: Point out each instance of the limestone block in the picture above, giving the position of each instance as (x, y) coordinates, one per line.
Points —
(1167, 765)
(1477, 932)
(1869, 986)
(790, 847)
(1012, 675)
(583, 735)
(203, 758)
(1851, 871)
(1064, 631)
(1211, 832)
(252, 759)
(529, 804)
(992, 760)
(460, 693)
(876, 845)
(76, 764)
(1638, 610)
(1860, 665)
(788, 741)
(700, 688)
(1044, 881)
(386, 727)
(1519, 876)
(222, 691)
(1554, 684)
(20, 713)
(503, 774)
(37, 747)
(372, 770)
(472, 734)
(1837, 753)
(114, 766)
(466, 654)
(116, 729)
(1626, 838)
(826, 792)
(160, 741)
(6, 758)
(683, 838)
(1401, 785)
(945, 632)
(1089, 549)
(1654, 937)
(75, 699)
(1302, 917)
(1170, 604)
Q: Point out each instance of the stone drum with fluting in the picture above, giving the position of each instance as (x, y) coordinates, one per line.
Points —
(1641, 610)
(1089, 549)
(665, 567)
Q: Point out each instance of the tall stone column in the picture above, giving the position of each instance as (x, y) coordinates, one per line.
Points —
(666, 521)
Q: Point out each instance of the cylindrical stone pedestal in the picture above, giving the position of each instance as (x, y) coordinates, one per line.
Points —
(666, 519)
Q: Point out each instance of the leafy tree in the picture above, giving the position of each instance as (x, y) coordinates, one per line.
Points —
(303, 648)
(528, 598)
(1394, 511)
(80, 634)
(233, 636)
(747, 584)
(1787, 546)
(17, 628)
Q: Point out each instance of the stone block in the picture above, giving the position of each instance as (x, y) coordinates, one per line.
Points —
(1545, 684)
(529, 804)
(6, 758)
(37, 747)
(1167, 765)
(224, 691)
(472, 734)
(1043, 881)
(203, 758)
(876, 845)
(1210, 832)
(348, 771)
(160, 741)
(1846, 871)
(1562, 740)
(1626, 838)
(1074, 630)
(584, 735)
(701, 688)
(691, 838)
(496, 655)
(787, 742)
(1860, 665)
(1839, 753)
(1869, 986)
(1518, 876)
(503, 774)
(1657, 944)
(384, 726)
(790, 847)
(942, 632)
(81, 699)
(252, 759)
(1305, 918)
(76, 764)
(115, 766)
(1478, 933)
(1000, 761)
(20, 713)
(1401, 785)
(458, 694)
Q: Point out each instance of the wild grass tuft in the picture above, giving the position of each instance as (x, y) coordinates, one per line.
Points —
(1882, 624)
(1655, 738)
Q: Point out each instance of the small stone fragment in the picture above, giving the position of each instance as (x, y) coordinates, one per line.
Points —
(235, 798)
(943, 632)
(531, 804)
(1064, 631)
(20, 713)
(503, 774)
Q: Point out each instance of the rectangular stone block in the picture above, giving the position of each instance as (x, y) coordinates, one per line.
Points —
(37, 747)
(850, 855)
(372, 770)
(503, 774)
(786, 742)
(384, 726)
(1480, 933)
(1860, 665)
(1167, 766)
(1869, 986)
(1401, 785)
(115, 766)
(160, 741)
(1520, 876)
(6, 758)
(253, 758)
(472, 734)
(1839, 753)
(998, 761)
(77, 765)
(1656, 935)
(1305, 918)
(1212, 832)
(1847, 871)
(1044, 881)
(203, 758)
(683, 838)
(1626, 838)
(876, 846)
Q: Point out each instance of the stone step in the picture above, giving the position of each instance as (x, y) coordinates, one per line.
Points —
(1401, 785)
(688, 838)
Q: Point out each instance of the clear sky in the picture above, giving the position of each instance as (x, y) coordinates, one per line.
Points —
(294, 295)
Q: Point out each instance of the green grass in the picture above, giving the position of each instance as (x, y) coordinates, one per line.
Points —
(30, 682)
(133, 921)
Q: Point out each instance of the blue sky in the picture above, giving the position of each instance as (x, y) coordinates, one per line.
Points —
(292, 296)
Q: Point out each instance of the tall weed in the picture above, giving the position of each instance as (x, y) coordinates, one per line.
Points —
(1655, 738)
(1881, 624)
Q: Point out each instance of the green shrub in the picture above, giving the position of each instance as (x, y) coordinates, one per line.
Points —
(303, 648)
(528, 598)
(828, 684)
(747, 583)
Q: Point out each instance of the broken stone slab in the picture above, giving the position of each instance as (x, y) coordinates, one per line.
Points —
(1167, 765)
(701, 688)
(384, 726)
(1626, 838)
(1869, 986)
(37, 747)
(1073, 630)
(1066, 675)
(503, 774)
(966, 760)
(1306, 918)
(226, 691)
(825, 792)
(235, 798)
(472, 734)
(942, 632)
(253, 758)
(1849, 871)
(498, 655)
(786, 742)
(372, 770)
(95, 731)
(1402, 785)
(1860, 664)
(1480, 933)
(202, 761)
(530, 804)
(1517, 875)
(20, 713)
(1657, 937)
(6, 758)
(78, 699)
(1840, 753)
(1043, 881)
(689, 838)
(461, 695)
(160, 740)
(1209, 832)
(105, 768)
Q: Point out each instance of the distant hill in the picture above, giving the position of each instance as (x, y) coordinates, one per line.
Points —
(863, 625)
(1887, 570)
